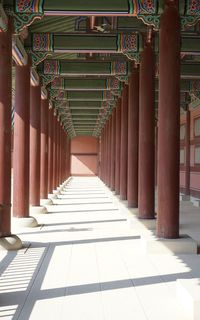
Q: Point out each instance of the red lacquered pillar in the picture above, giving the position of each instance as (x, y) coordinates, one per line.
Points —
(5, 130)
(103, 154)
(60, 157)
(44, 149)
(118, 147)
(109, 150)
(5, 141)
(169, 123)
(57, 153)
(133, 138)
(113, 146)
(124, 144)
(106, 153)
(35, 144)
(69, 156)
(21, 142)
(50, 151)
(187, 147)
(54, 153)
(146, 133)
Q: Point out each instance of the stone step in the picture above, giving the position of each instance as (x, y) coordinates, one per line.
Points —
(188, 294)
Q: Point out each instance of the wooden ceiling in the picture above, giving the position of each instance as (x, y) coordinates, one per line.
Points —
(83, 52)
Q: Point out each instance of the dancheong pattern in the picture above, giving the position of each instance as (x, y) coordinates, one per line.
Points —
(29, 6)
(62, 95)
(42, 42)
(193, 7)
(57, 83)
(195, 85)
(140, 7)
(128, 42)
(113, 84)
(119, 68)
(51, 67)
(107, 95)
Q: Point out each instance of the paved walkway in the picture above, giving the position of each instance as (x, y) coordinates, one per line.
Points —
(84, 262)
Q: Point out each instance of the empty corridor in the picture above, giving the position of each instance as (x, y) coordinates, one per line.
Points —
(84, 262)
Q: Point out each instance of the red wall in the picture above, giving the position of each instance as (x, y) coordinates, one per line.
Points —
(194, 168)
(84, 156)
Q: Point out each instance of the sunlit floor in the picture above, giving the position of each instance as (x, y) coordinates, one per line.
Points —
(84, 262)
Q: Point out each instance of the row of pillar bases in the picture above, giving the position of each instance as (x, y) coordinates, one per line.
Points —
(133, 133)
(40, 151)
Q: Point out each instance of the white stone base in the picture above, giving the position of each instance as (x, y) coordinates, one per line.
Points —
(147, 224)
(134, 211)
(55, 192)
(184, 197)
(11, 242)
(38, 210)
(188, 294)
(59, 190)
(27, 222)
(195, 202)
(153, 245)
(44, 202)
(52, 196)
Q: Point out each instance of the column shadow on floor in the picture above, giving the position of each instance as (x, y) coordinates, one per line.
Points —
(19, 297)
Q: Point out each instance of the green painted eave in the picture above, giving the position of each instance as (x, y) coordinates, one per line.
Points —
(85, 105)
(91, 5)
(82, 95)
(76, 68)
(190, 71)
(53, 24)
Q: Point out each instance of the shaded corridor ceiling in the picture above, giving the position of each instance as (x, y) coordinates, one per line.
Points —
(84, 51)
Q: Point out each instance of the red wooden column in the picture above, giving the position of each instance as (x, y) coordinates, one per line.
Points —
(21, 148)
(54, 152)
(103, 154)
(156, 153)
(50, 151)
(133, 138)
(187, 147)
(113, 146)
(100, 154)
(68, 157)
(106, 153)
(61, 155)
(109, 150)
(5, 130)
(118, 147)
(5, 138)
(64, 155)
(35, 149)
(44, 152)
(124, 144)
(169, 123)
(57, 153)
(146, 133)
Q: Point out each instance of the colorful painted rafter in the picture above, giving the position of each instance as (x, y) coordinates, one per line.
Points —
(113, 84)
(51, 67)
(29, 6)
(43, 42)
(195, 88)
(3, 19)
(124, 43)
(26, 11)
(118, 68)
